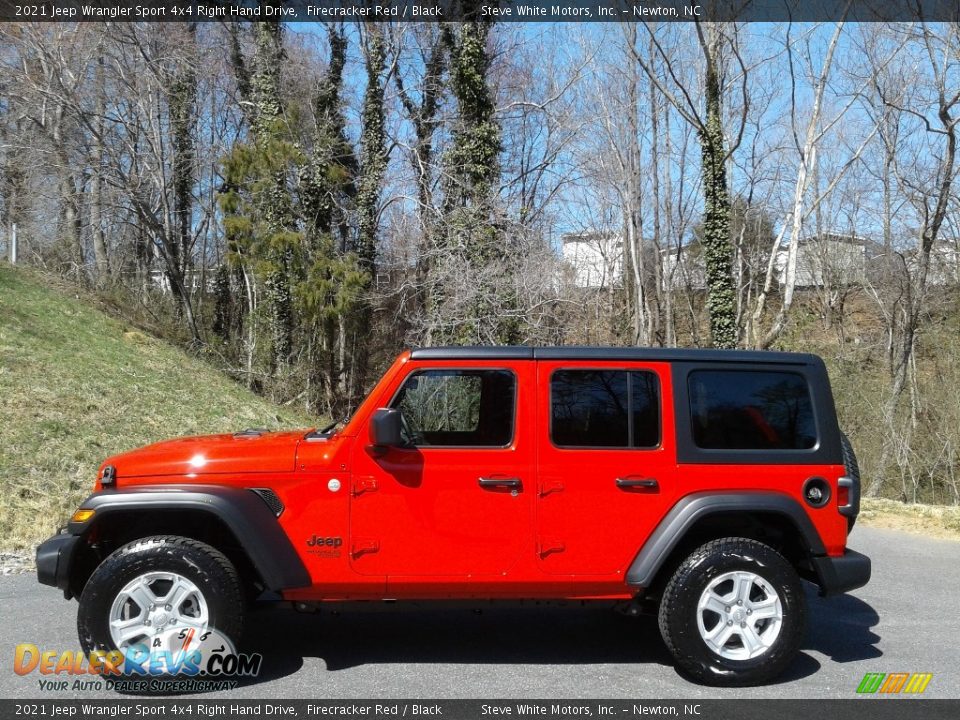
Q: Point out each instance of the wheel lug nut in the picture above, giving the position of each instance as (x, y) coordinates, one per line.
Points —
(153, 607)
(729, 622)
(167, 607)
(749, 612)
(739, 602)
(146, 622)
(727, 609)
(743, 624)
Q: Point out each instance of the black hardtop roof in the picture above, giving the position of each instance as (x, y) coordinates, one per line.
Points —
(592, 352)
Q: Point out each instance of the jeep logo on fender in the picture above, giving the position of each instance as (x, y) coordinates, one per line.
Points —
(319, 541)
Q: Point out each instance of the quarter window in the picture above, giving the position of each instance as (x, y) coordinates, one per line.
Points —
(457, 408)
(604, 409)
(736, 410)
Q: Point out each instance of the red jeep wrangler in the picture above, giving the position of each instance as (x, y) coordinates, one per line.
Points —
(703, 483)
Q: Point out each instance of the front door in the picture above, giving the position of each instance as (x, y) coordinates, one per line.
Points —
(606, 468)
(456, 500)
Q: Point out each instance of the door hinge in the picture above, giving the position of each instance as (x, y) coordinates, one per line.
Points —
(549, 546)
(364, 484)
(363, 546)
(550, 486)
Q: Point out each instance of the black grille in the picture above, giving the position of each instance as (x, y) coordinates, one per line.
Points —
(270, 498)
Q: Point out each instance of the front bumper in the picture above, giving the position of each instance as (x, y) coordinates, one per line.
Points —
(840, 574)
(54, 556)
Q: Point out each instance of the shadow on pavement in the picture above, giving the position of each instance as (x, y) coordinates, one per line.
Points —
(408, 634)
(841, 627)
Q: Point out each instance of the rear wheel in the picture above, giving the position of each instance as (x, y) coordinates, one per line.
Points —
(151, 589)
(733, 613)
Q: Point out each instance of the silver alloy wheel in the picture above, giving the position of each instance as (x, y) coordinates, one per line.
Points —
(154, 603)
(739, 615)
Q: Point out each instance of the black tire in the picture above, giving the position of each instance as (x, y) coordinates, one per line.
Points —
(679, 607)
(205, 566)
(852, 467)
(849, 458)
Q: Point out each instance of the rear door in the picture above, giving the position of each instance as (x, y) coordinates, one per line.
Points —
(456, 501)
(606, 461)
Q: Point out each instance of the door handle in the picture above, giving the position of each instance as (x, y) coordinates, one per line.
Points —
(495, 482)
(635, 482)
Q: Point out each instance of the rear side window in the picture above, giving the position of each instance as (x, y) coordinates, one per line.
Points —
(737, 410)
(457, 408)
(605, 409)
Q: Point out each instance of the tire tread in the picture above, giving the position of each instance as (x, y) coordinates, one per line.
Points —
(218, 572)
(679, 587)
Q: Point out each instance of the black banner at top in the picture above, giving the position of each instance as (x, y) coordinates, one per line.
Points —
(497, 10)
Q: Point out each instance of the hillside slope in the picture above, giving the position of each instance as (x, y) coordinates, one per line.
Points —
(77, 386)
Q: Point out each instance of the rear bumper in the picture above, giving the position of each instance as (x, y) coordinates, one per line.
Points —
(53, 561)
(840, 574)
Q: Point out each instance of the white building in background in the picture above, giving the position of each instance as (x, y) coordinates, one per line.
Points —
(193, 280)
(944, 264)
(683, 268)
(595, 259)
(830, 259)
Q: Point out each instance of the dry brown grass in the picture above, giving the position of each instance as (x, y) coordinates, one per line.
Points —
(939, 521)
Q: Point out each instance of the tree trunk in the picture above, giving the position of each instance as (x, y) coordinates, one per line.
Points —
(73, 223)
(275, 205)
(100, 255)
(721, 303)
(633, 246)
(182, 100)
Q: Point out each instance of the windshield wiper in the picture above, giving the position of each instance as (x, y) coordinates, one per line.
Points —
(334, 424)
(328, 428)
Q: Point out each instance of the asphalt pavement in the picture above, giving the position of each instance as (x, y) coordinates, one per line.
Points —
(906, 620)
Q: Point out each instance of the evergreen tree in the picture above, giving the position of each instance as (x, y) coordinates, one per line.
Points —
(331, 291)
(259, 219)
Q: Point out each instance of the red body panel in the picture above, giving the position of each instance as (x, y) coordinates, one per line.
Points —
(211, 454)
(415, 523)
(586, 525)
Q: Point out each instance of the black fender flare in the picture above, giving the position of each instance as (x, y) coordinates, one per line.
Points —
(692, 508)
(243, 512)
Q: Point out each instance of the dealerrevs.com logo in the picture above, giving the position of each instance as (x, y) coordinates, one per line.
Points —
(179, 660)
(894, 683)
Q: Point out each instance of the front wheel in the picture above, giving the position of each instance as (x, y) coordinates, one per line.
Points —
(733, 613)
(157, 590)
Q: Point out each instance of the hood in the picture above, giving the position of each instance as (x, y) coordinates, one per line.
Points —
(247, 452)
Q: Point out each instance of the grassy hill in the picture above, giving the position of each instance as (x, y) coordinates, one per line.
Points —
(77, 386)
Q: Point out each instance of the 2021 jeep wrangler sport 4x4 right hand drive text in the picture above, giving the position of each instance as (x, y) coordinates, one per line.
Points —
(702, 483)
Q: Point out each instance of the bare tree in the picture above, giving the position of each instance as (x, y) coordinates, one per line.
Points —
(717, 42)
(929, 191)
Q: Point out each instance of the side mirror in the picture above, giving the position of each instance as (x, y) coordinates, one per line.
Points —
(385, 428)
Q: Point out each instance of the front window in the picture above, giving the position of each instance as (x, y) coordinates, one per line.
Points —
(458, 408)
